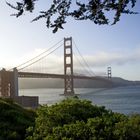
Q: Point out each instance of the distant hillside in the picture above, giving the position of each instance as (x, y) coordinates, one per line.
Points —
(117, 81)
(78, 83)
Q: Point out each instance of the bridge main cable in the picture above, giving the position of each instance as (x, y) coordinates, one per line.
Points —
(39, 58)
(86, 67)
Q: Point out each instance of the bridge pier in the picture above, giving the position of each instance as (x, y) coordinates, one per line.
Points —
(4, 83)
(9, 83)
(14, 83)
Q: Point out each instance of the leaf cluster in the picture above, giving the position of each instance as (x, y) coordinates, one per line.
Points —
(93, 10)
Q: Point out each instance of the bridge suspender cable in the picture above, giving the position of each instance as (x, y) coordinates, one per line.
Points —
(39, 54)
(40, 58)
(43, 55)
(89, 69)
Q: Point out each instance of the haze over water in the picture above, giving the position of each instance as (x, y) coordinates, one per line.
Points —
(122, 99)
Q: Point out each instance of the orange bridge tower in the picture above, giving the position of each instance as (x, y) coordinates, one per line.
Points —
(68, 67)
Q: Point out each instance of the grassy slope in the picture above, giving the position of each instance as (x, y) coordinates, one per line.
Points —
(14, 120)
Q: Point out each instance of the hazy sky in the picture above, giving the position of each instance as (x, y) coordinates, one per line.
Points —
(117, 46)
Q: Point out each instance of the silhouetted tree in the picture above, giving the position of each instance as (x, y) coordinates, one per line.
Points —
(93, 10)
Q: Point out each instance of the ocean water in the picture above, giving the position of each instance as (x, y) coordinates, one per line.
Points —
(121, 99)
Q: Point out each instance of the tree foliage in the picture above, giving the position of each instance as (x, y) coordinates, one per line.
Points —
(74, 119)
(71, 119)
(128, 129)
(93, 10)
(67, 112)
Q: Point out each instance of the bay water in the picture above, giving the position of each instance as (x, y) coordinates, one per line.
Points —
(120, 99)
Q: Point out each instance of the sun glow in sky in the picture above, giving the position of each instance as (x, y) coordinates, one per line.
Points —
(117, 46)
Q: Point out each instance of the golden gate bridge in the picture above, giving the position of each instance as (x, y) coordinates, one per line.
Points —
(9, 78)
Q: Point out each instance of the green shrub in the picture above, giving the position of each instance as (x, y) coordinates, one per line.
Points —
(74, 119)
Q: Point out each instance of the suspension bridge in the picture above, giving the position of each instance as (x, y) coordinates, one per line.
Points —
(9, 78)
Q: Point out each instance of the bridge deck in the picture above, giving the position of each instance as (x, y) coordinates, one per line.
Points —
(61, 76)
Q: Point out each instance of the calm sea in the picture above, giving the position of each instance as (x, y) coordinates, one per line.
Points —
(122, 99)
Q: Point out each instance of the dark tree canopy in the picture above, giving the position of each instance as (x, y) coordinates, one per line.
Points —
(75, 119)
(93, 10)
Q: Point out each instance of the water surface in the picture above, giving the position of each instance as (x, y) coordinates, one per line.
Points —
(122, 99)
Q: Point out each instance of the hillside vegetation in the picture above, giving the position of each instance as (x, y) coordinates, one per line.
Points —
(71, 119)
(75, 119)
(14, 120)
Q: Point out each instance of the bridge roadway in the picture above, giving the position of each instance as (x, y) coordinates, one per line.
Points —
(60, 76)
